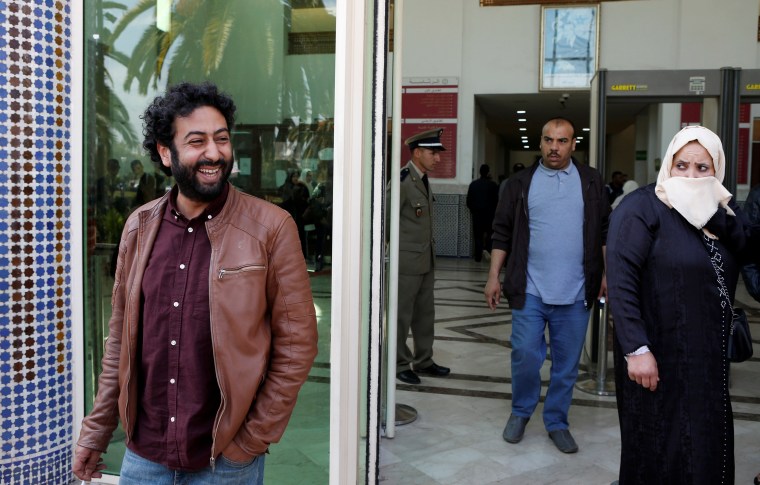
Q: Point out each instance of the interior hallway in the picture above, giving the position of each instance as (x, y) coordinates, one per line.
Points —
(456, 438)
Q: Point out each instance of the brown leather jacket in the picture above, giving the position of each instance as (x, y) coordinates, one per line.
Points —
(263, 325)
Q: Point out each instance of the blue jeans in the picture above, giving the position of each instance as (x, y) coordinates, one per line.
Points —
(136, 470)
(567, 333)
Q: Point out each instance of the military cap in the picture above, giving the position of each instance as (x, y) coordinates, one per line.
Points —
(427, 139)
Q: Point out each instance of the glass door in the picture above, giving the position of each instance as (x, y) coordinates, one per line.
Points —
(277, 61)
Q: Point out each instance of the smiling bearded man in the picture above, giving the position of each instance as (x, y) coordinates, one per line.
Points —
(213, 329)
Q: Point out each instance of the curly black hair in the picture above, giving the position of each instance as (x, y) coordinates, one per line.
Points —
(178, 101)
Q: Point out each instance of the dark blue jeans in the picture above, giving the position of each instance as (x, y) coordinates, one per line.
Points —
(567, 333)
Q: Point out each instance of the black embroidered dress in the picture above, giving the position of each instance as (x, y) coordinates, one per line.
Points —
(664, 293)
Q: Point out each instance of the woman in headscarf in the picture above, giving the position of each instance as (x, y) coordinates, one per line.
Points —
(307, 180)
(628, 187)
(674, 250)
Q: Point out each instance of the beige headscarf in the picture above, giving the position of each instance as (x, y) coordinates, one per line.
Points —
(696, 199)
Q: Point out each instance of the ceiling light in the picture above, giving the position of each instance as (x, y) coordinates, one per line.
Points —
(579, 138)
(587, 129)
(520, 111)
(523, 129)
(522, 120)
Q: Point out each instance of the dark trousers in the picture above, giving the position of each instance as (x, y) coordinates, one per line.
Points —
(481, 236)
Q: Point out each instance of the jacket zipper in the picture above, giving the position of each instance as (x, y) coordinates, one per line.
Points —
(222, 399)
(586, 304)
(218, 420)
(242, 269)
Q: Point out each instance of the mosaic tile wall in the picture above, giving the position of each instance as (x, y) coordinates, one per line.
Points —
(35, 213)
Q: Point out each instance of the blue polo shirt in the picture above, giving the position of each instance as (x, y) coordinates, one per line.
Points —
(555, 252)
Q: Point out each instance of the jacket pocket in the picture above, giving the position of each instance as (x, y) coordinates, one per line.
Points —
(420, 206)
(240, 270)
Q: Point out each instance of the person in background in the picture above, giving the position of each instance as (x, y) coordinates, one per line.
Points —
(321, 203)
(213, 329)
(109, 186)
(674, 252)
(482, 197)
(144, 184)
(628, 187)
(308, 180)
(295, 200)
(416, 264)
(550, 229)
(503, 185)
(615, 187)
(751, 271)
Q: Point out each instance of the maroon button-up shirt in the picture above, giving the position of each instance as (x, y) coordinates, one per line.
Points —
(179, 395)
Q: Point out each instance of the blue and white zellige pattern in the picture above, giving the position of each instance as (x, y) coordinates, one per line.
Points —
(35, 206)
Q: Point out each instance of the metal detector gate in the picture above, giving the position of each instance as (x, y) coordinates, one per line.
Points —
(670, 86)
(608, 88)
(749, 93)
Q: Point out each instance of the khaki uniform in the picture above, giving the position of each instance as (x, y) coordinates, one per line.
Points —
(416, 307)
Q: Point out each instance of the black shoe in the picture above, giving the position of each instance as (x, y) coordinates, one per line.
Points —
(563, 440)
(408, 376)
(434, 370)
(515, 429)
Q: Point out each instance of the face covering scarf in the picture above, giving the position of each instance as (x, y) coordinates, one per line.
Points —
(696, 199)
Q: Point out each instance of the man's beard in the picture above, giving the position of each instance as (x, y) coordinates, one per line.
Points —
(188, 184)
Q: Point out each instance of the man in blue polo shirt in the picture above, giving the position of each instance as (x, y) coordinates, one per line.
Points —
(550, 229)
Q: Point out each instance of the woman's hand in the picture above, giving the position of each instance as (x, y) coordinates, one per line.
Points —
(643, 369)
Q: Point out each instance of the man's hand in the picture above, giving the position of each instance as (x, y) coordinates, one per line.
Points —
(236, 454)
(87, 464)
(603, 288)
(643, 369)
(493, 287)
(493, 292)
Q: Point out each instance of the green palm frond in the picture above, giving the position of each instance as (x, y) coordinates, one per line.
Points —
(112, 119)
(119, 57)
(216, 34)
(213, 19)
(130, 16)
(144, 60)
(108, 6)
(165, 44)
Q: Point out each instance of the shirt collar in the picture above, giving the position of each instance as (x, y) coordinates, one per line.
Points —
(416, 170)
(551, 172)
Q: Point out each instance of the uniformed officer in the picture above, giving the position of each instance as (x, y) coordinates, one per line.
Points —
(416, 308)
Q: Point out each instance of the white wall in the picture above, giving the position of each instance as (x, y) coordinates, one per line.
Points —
(496, 49)
(621, 152)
